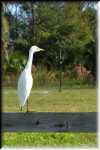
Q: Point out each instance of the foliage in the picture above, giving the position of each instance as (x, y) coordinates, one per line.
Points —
(17, 62)
(90, 51)
(46, 78)
(69, 27)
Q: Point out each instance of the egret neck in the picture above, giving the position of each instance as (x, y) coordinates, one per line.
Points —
(29, 62)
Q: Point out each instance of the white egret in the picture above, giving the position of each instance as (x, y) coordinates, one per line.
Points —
(25, 81)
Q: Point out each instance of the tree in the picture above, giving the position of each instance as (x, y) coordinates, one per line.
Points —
(5, 42)
(5, 37)
(66, 27)
(90, 51)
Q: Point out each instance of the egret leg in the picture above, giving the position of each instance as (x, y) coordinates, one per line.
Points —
(27, 105)
(21, 108)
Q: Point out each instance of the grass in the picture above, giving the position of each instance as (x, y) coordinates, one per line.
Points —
(39, 139)
(50, 100)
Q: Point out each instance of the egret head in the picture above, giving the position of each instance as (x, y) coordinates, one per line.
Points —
(34, 49)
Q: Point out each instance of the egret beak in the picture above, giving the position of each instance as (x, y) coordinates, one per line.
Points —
(42, 49)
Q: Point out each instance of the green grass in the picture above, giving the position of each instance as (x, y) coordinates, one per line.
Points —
(50, 100)
(49, 139)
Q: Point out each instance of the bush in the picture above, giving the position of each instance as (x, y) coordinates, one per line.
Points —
(17, 62)
(44, 78)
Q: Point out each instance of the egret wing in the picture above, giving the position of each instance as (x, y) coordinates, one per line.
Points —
(24, 86)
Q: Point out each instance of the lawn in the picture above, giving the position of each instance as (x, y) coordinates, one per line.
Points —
(50, 100)
(42, 139)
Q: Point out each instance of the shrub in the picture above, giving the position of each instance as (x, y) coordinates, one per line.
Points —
(17, 62)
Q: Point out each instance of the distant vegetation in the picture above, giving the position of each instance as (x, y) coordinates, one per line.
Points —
(66, 30)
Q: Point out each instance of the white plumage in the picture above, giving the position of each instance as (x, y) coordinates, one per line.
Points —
(25, 81)
(24, 86)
